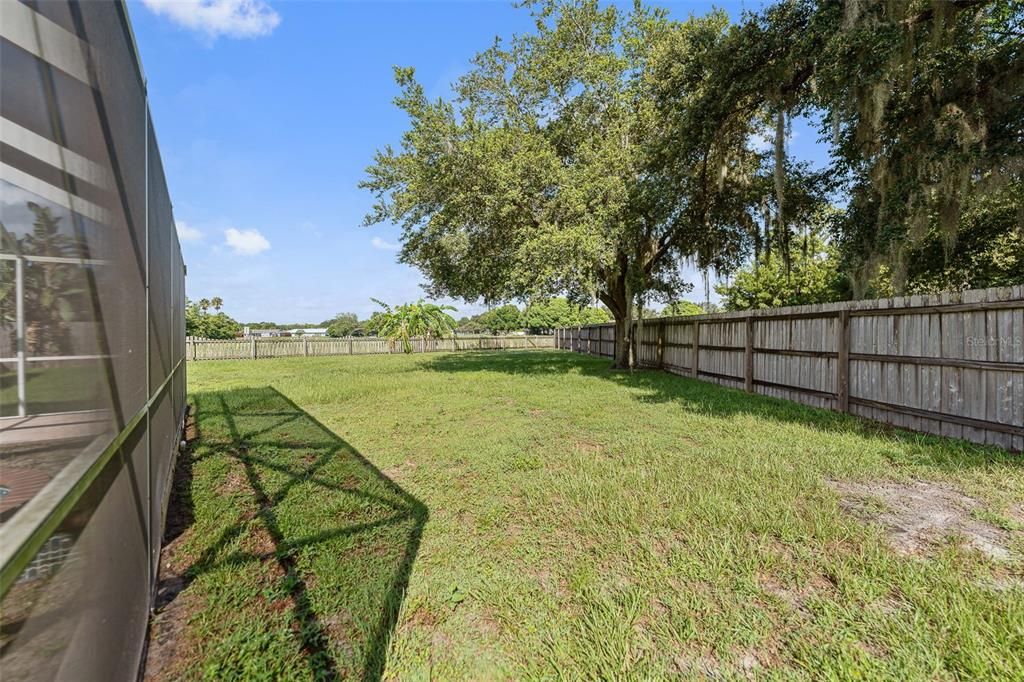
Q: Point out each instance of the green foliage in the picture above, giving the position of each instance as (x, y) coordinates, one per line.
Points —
(470, 325)
(928, 109)
(594, 315)
(55, 293)
(920, 99)
(680, 308)
(344, 324)
(813, 277)
(502, 319)
(403, 323)
(989, 249)
(556, 313)
(546, 173)
(595, 155)
(201, 323)
(547, 314)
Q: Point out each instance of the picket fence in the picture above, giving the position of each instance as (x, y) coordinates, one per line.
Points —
(258, 348)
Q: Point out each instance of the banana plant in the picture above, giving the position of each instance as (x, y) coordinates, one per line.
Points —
(403, 323)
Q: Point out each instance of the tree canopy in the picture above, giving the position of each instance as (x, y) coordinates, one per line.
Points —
(813, 276)
(201, 323)
(502, 319)
(539, 178)
(594, 156)
(989, 247)
(681, 308)
(343, 324)
(555, 313)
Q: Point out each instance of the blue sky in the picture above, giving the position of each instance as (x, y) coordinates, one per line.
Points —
(267, 113)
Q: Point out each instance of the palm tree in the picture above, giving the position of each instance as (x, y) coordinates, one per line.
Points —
(412, 320)
(53, 291)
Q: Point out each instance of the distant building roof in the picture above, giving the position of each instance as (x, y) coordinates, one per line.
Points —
(309, 330)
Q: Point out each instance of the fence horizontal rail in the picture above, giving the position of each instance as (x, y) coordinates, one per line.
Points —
(256, 349)
(951, 364)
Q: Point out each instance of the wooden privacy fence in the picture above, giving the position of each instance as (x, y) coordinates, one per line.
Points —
(950, 364)
(253, 349)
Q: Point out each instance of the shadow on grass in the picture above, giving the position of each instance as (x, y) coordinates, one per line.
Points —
(345, 581)
(654, 386)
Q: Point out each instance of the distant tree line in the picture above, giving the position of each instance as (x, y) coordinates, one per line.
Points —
(205, 319)
(543, 317)
(539, 317)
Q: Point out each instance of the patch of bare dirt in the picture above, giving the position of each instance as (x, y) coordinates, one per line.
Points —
(399, 469)
(169, 641)
(698, 665)
(586, 446)
(235, 482)
(421, 617)
(919, 514)
(259, 543)
(796, 596)
(341, 627)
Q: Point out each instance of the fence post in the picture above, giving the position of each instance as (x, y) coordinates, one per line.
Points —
(748, 372)
(253, 342)
(695, 350)
(661, 344)
(636, 343)
(843, 361)
(305, 347)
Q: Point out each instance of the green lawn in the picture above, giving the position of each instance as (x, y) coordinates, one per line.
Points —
(64, 387)
(535, 515)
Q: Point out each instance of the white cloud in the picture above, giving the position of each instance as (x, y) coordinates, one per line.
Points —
(233, 18)
(187, 233)
(379, 243)
(245, 242)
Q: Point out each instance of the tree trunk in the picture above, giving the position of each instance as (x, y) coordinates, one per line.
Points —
(618, 297)
(621, 350)
(623, 314)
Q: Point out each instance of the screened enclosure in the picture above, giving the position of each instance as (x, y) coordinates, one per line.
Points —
(92, 378)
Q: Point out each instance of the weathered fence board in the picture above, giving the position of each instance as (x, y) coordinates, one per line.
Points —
(254, 349)
(950, 364)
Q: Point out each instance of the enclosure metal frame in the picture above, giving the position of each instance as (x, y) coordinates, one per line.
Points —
(29, 528)
(22, 358)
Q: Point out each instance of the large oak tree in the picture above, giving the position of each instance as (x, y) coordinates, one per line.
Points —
(546, 173)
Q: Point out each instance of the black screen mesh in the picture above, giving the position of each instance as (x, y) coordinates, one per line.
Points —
(91, 341)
